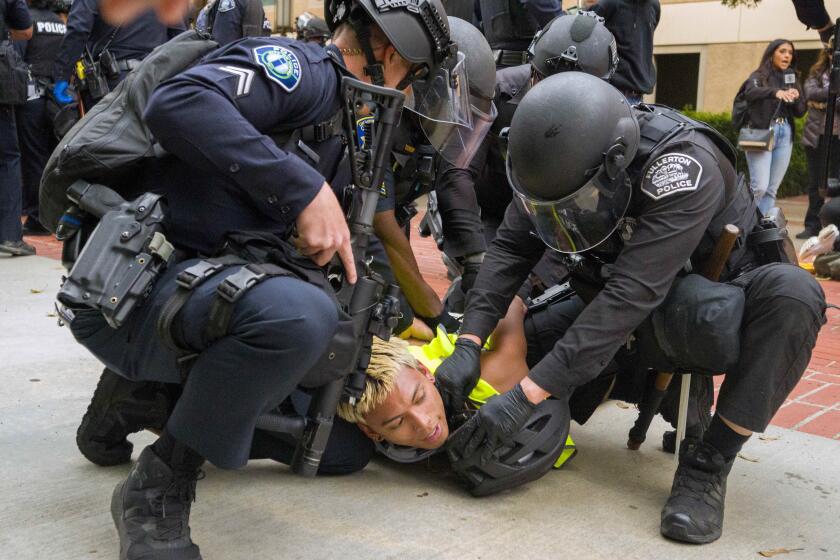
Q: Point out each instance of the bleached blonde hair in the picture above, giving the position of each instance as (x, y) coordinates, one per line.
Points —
(386, 360)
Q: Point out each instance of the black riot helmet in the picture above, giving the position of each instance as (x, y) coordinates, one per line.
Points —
(419, 31)
(569, 145)
(311, 28)
(574, 42)
(535, 449)
(457, 142)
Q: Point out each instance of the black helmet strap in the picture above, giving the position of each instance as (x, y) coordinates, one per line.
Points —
(361, 26)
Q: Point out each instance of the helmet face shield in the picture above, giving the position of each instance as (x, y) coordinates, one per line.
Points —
(582, 220)
(449, 121)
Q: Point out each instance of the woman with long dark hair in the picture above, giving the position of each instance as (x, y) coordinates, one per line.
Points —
(813, 139)
(775, 99)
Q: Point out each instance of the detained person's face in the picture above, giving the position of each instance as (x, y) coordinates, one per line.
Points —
(412, 414)
(783, 56)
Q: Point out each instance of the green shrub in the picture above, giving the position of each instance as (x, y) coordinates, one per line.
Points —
(796, 178)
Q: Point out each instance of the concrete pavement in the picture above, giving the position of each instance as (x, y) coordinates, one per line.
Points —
(604, 504)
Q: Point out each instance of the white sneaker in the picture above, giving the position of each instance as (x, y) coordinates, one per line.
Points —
(819, 245)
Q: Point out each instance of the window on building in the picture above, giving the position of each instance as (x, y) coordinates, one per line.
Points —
(676, 79)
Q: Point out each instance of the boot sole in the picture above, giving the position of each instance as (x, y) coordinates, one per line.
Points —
(679, 532)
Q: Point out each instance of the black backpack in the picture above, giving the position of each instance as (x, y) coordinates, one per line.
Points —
(112, 140)
(740, 108)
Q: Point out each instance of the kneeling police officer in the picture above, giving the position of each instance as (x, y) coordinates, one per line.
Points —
(227, 173)
(635, 195)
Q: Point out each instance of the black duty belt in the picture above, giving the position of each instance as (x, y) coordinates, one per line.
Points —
(505, 57)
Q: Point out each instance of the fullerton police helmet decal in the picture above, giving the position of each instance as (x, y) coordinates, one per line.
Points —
(226, 5)
(280, 64)
(670, 174)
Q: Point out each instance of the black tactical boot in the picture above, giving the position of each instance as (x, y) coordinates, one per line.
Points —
(151, 510)
(120, 407)
(694, 510)
(669, 438)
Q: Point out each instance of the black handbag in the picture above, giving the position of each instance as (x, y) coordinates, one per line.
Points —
(758, 139)
(14, 76)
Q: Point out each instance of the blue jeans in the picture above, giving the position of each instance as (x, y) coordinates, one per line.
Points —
(767, 169)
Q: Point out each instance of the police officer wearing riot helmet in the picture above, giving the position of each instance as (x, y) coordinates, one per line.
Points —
(225, 174)
(35, 129)
(230, 20)
(510, 26)
(641, 197)
(311, 29)
(421, 147)
(115, 51)
(568, 42)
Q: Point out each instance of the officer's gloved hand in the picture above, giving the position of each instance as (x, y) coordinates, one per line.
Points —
(450, 323)
(495, 424)
(472, 264)
(60, 92)
(458, 374)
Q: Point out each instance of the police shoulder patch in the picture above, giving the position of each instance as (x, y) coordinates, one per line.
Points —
(226, 5)
(280, 65)
(671, 173)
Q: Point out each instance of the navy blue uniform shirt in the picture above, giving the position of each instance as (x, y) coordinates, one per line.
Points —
(15, 16)
(131, 41)
(224, 172)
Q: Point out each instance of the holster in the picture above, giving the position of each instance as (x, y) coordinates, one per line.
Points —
(122, 258)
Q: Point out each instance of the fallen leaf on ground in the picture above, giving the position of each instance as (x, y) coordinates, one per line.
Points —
(773, 552)
(765, 437)
(622, 404)
(748, 458)
(423, 495)
(35, 291)
(52, 314)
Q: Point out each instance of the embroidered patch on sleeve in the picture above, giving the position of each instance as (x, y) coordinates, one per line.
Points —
(280, 65)
(226, 5)
(670, 174)
(244, 77)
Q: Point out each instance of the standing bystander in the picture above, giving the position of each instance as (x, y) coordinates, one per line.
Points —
(814, 140)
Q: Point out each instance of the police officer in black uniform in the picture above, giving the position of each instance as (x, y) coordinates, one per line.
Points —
(568, 42)
(636, 195)
(420, 149)
(230, 20)
(226, 173)
(114, 51)
(15, 24)
(510, 26)
(35, 129)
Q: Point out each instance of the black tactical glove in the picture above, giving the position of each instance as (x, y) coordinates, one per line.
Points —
(457, 375)
(450, 323)
(471, 265)
(495, 425)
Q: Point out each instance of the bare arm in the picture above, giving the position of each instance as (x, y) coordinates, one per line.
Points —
(422, 298)
(505, 364)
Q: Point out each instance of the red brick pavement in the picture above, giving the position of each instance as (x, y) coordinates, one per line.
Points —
(813, 406)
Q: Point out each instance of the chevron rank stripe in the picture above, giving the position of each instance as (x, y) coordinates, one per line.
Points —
(244, 78)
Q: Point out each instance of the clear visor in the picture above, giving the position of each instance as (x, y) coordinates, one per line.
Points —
(442, 101)
(584, 219)
(457, 144)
